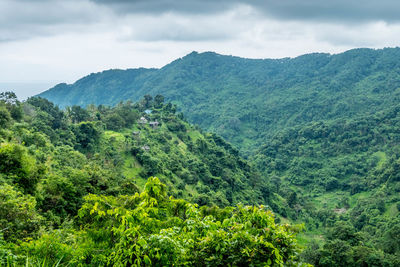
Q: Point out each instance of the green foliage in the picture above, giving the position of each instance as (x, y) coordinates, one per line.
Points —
(52, 163)
(334, 155)
(344, 174)
(18, 167)
(322, 129)
(77, 114)
(18, 216)
(87, 136)
(54, 116)
(152, 229)
(10, 101)
(51, 249)
(5, 117)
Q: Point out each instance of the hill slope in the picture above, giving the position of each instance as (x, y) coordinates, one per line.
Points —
(323, 128)
(73, 191)
(342, 175)
(247, 100)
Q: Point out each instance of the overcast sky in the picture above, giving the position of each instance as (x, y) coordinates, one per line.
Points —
(49, 41)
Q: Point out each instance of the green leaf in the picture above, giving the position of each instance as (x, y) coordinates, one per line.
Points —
(147, 260)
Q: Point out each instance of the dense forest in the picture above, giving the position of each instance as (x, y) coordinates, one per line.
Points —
(342, 179)
(74, 190)
(247, 100)
(313, 149)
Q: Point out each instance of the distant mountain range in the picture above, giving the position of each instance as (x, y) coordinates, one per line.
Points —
(248, 100)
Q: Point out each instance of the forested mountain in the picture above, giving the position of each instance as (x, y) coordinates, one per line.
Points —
(342, 179)
(323, 131)
(73, 191)
(248, 100)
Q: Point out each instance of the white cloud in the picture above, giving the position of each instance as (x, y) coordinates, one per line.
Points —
(80, 37)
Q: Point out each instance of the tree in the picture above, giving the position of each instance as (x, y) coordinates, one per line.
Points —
(19, 167)
(147, 101)
(128, 115)
(87, 135)
(158, 101)
(77, 114)
(114, 121)
(54, 114)
(18, 216)
(335, 253)
(10, 100)
(5, 117)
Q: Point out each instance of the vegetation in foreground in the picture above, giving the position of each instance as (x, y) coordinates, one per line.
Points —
(73, 191)
(151, 228)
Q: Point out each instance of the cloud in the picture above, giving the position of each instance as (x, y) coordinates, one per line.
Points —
(184, 28)
(23, 19)
(63, 40)
(373, 34)
(180, 20)
(338, 11)
(305, 10)
(167, 6)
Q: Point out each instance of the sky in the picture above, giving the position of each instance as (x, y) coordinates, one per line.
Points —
(44, 42)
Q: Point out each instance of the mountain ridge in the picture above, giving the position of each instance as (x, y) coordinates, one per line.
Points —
(251, 98)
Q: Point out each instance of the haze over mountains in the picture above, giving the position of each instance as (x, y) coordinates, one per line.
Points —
(248, 100)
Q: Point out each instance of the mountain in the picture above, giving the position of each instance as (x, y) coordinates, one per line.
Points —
(341, 177)
(247, 100)
(322, 130)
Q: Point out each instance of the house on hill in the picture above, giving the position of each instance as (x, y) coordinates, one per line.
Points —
(142, 120)
(154, 124)
(136, 135)
(145, 148)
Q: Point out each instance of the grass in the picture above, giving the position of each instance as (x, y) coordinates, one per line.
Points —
(382, 158)
(132, 169)
(329, 200)
(119, 137)
(311, 236)
(392, 210)
(194, 135)
(190, 189)
(354, 198)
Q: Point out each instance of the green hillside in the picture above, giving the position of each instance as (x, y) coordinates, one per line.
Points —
(341, 178)
(247, 100)
(74, 190)
(321, 133)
